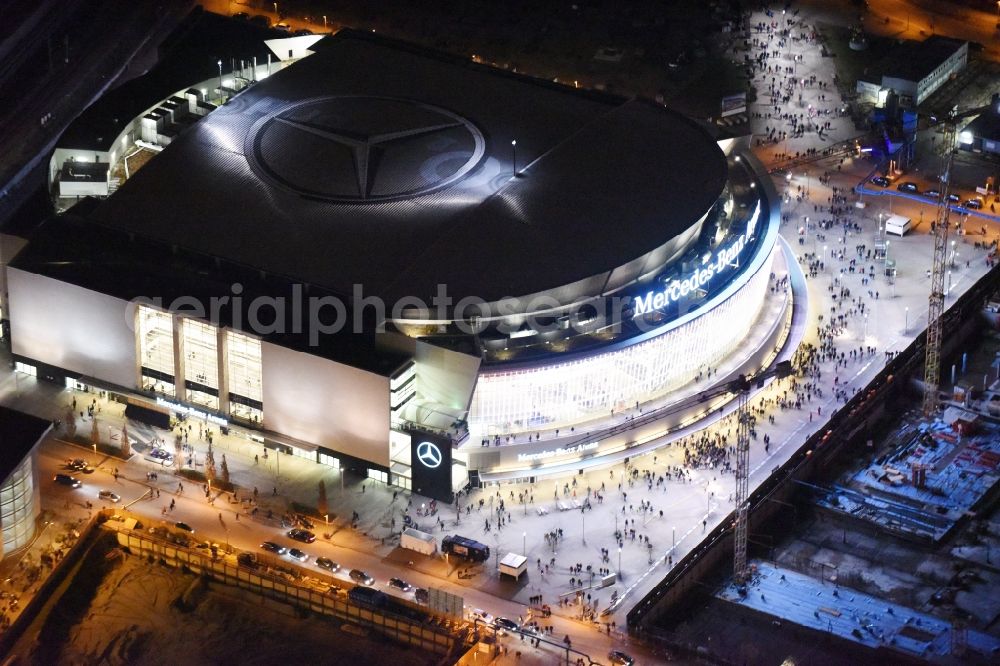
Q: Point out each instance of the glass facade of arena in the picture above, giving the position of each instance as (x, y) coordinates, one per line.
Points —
(155, 330)
(244, 368)
(201, 363)
(17, 510)
(565, 393)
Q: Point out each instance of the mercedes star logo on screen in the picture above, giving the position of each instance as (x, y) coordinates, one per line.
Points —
(428, 454)
(360, 149)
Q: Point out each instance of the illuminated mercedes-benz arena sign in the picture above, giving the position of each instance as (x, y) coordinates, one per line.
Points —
(482, 294)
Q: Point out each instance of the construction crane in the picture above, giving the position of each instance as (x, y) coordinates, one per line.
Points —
(742, 386)
(935, 303)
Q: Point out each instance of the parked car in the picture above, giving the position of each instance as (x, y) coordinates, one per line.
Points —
(302, 31)
(283, 27)
(908, 187)
(305, 536)
(272, 547)
(933, 194)
(67, 480)
(504, 623)
(620, 658)
(184, 526)
(80, 465)
(108, 495)
(975, 204)
(954, 198)
(247, 560)
(328, 564)
(260, 21)
(359, 576)
(298, 554)
(881, 181)
(400, 584)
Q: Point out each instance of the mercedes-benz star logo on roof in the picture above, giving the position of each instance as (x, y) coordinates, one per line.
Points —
(363, 149)
(429, 454)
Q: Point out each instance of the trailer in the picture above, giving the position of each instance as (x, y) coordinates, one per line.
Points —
(419, 541)
(513, 565)
(898, 224)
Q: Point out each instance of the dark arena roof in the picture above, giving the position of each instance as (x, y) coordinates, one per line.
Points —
(377, 163)
(18, 433)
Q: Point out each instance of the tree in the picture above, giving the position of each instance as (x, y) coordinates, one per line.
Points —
(126, 447)
(70, 423)
(225, 470)
(210, 465)
(95, 434)
(321, 505)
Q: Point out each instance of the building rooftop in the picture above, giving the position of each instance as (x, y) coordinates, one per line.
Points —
(378, 163)
(18, 433)
(189, 55)
(135, 268)
(912, 61)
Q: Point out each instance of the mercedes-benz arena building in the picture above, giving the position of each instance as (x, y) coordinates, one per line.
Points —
(378, 246)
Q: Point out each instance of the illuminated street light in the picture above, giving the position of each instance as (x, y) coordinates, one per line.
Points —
(513, 155)
(906, 320)
(220, 77)
(619, 562)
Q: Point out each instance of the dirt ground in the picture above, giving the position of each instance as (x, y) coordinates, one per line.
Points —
(129, 611)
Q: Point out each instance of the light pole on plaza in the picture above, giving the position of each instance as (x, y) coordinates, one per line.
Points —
(220, 76)
(673, 536)
(524, 543)
(906, 320)
(324, 23)
(619, 562)
(866, 327)
(513, 155)
(825, 260)
(583, 525)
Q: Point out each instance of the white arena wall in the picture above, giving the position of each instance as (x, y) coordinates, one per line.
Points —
(326, 403)
(72, 328)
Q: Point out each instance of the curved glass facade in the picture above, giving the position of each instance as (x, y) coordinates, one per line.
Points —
(17, 507)
(563, 393)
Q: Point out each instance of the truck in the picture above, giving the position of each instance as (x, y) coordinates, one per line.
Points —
(418, 541)
(367, 597)
(467, 548)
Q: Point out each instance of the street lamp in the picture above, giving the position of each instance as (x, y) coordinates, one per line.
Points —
(619, 562)
(825, 259)
(906, 320)
(324, 23)
(513, 155)
(524, 542)
(583, 525)
(866, 327)
(673, 537)
(220, 76)
(276, 10)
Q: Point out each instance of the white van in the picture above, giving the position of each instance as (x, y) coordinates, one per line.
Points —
(898, 224)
